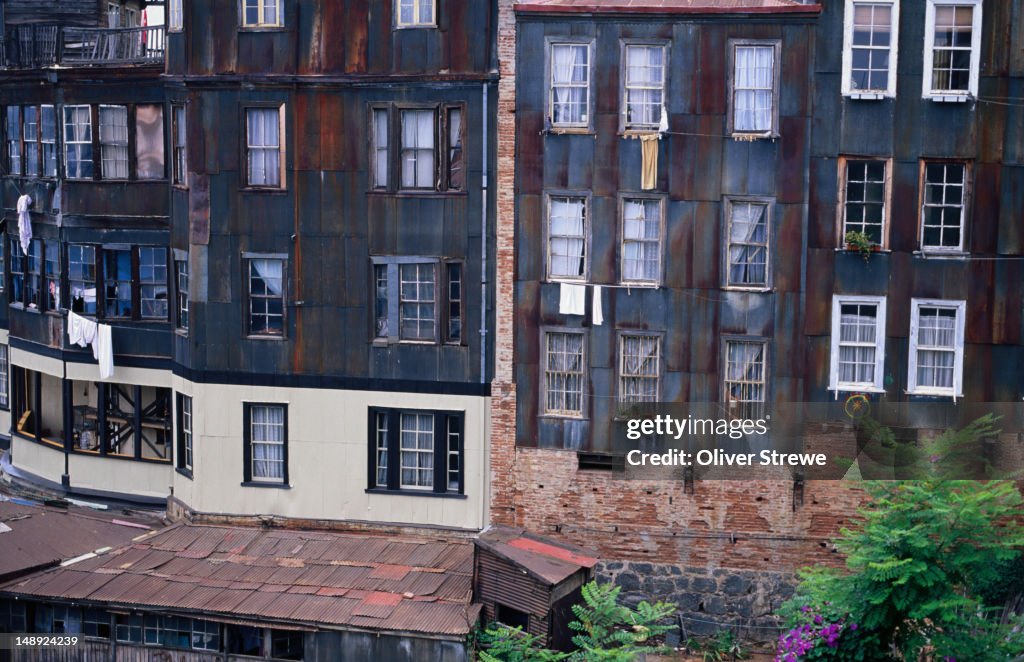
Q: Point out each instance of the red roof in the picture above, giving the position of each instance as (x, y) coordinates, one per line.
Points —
(320, 578)
(667, 6)
(548, 560)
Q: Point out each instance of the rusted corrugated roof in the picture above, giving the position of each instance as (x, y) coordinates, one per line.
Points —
(667, 6)
(547, 560)
(40, 536)
(381, 582)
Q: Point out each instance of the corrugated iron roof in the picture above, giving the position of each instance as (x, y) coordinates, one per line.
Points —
(308, 577)
(667, 6)
(547, 560)
(42, 536)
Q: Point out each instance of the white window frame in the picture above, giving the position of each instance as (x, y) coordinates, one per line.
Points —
(416, 452)
(175, 20)
(417, 6)
(773, 130)
(877, 385)
(263, 20)
(625, 376)
(587, 119)
(546, 334)
(5, 375)
(253, 442)
(252, 150)
(960, 306)
(627, 87)
(964, 198)
(927, 91)
(112, 143)
(89, 163)
(624, 200)
(730, 205)
(894, 31)
(549, 236)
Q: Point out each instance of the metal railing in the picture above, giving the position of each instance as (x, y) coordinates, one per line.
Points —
(30, 46)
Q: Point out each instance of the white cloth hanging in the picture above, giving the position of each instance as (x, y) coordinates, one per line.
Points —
(24, 222)
(572, 299)
(103, 350)
(596, 311)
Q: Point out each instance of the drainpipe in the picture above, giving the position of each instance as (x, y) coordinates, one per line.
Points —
(483, 241)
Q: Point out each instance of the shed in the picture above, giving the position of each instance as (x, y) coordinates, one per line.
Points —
(527, 580)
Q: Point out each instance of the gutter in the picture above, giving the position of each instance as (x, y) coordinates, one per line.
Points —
(483, 240)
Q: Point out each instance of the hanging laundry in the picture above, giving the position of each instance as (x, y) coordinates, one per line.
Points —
(103, 350)
(572, 299)
(649, 158)
(24, 222)
(597, 311)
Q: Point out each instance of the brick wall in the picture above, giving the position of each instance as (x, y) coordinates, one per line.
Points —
(503, 393)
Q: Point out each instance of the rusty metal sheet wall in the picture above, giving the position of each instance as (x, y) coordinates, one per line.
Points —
(698, 166)
(498, 581)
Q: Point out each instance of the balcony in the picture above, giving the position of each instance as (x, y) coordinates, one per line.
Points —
(34, 46)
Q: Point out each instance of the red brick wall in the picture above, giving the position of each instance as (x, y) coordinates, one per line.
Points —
(503, 393)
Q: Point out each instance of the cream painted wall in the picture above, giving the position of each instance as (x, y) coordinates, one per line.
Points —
(327, 454)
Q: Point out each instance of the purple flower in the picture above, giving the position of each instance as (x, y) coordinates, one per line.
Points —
(817, 620)
(853, 627)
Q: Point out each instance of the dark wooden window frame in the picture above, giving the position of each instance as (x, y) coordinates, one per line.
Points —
(247, 317)
(185, 443)
(441, 420)
(247, 446)
(97, 148)
(442, 148)
(776, 44)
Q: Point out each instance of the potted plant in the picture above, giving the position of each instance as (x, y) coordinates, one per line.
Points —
(859, 241)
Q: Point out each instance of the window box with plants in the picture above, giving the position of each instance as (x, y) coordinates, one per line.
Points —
(861, 242)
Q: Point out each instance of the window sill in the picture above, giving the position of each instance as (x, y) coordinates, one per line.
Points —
(570, 130)
(415, 493)
(184, 472)
(563, 417)
(938, 97)
(636, 132)
(753, 135)
(416, 193)
(418, 26)
(265, 190)
(868, 96)
(942, 255)
(262, 28)
(856, 252)
(750, 289)
(935, 394)
(30, 309)
(179, 187)
(632, 285)
(261, 337)
(275, 486)
(853, 388)
(181, 332)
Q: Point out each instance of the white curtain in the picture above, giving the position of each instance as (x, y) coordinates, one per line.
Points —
(640, 356)
(271, 272)
(418, 148)
(564, 372)
(857, 343)
(417, 442)
(380, 144)
(753, 88)
(569, 66)
(567, 237)
(644, 74)
(114, 141)
(935, 366)
(267, 442)
(264, 144)
(748, 239)
(641, 244)
(745, 377)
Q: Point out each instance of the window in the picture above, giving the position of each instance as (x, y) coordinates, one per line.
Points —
(13, 137)
(262, 13)
(453, 277)
(865, 196)
(48, 139)
(128, 628)
(417, 153)
(174, 15)
(205, 635)
(26, 274)
(415, 13)
(78, 142)
(30, 132)
(569, 96)
(641, 241)
(429, 154)
(266, 296)
(114, 142)
(754, 88)
(745, 383)
(952, 49)
(858, 344)
(869, 56)
(51, 272)
(180, 169)
(266, 443)
(96, 623)
(82, 278)
(153, 282)
(416, 450)
(5, 378)
(117, 283)
(563, 373)
(942, 207)
(936, 347)
(567, 238)
(263, 146)
(149, 141)
(644, 86)
(181, 291)
(639, 368)
(185, 432)
(748, 264)
(408, 301)
(134, 282)
(168, 631)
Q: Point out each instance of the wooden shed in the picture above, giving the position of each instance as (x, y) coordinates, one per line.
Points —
(526, 580)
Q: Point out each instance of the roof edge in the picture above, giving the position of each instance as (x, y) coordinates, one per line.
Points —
(542, 8)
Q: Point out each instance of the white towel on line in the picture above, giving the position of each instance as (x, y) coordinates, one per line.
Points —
(572, 299)
(103, 350)
(597, 311)
(24, 222)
